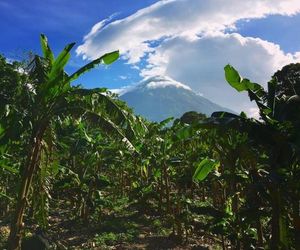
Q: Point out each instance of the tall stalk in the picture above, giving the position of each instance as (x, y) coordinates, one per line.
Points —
(31, 163)
(275, 228)
(296, 222)
(167, 188)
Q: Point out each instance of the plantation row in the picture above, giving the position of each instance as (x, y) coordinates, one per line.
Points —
(227, 181)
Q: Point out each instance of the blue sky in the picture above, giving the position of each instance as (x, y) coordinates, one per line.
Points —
(187, 40)
(63, 21)
(281, 30)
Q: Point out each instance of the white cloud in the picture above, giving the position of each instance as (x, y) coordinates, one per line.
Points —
(123, 90)
(168, 18)
(152, 82)
(162, 82)
(199, 64)
(123, 77)
(254, 112)
(187, 40)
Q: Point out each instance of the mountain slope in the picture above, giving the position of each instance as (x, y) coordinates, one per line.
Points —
(160, 97)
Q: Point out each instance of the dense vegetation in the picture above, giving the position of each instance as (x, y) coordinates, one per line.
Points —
(79, 169)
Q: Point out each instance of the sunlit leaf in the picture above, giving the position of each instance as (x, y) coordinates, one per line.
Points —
(106, 59)
(9, 169)
(204, 168)
(47, 53)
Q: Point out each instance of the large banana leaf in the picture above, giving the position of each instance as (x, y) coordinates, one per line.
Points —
(255, 91)
(108, 127)
(106, 59)
(47, 52)
(60, 62)
(56, 81)
(100, 102)
(204, 168)
(239, 83)
(106, 121)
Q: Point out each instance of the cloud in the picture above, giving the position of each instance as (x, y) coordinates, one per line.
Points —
(123, 90)
(169, 18)
(123, 77)
(254, 112)
(162, 82)
(188, 40)
(199, 64)
(152, 82)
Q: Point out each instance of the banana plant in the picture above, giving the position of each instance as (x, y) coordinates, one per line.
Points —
(54, 96)
(279, 108)
(276, 132)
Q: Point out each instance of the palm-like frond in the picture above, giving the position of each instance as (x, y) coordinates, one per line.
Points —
(100, 111)
(108, 58)
(47, 52)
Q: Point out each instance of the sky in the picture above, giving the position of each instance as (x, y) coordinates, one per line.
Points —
(189, 41)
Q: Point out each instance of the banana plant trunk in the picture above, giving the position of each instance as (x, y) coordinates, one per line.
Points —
(275, 226)
(31, 163)
(167, 187)
(296, 222)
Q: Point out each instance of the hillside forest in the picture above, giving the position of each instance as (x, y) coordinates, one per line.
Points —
(79, 170)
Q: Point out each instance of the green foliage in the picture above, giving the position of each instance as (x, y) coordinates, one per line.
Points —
(203, 168)
(111, 239)
(231, 179)
(191, 117)
(106, 59)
